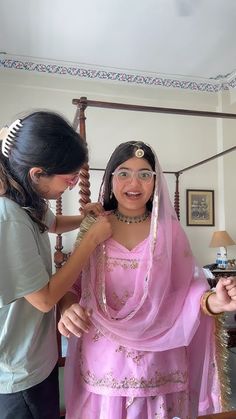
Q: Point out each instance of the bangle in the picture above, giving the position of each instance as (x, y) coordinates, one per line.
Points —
(204, 304)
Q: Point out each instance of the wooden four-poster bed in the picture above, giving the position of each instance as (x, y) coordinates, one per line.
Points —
(79, 124)
(84, 185)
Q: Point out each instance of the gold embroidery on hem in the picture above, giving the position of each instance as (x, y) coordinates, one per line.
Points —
(132, 382)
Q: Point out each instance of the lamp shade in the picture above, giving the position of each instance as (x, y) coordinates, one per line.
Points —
(221, 239)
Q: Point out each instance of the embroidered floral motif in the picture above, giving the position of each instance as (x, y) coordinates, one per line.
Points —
(97, 335)
(178, 406)
(136, 356)
(118, 302)
(86, 296)
(132, 382)
(112, 263)
(86, 293)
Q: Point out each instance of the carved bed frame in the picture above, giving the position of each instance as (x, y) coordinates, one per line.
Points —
(84, 185)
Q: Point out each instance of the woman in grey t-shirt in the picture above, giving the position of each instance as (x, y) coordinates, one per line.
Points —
(40, 158)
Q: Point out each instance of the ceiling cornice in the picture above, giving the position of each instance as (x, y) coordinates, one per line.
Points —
(82, 71)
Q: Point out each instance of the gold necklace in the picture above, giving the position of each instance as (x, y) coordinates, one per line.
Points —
(130, 220)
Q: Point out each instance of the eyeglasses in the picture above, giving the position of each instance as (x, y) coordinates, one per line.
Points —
(127, 175)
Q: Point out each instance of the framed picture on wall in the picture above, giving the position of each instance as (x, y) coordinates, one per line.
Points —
(200, 207)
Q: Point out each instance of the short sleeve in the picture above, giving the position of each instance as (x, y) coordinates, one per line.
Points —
(50, 218)
(23, 269)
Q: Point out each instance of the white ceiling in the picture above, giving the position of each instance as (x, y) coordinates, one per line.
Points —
(181, 38)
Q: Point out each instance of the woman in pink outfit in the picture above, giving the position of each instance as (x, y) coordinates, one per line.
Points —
(140, 318)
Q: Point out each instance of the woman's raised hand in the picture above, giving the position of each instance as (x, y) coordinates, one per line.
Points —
(226, 293)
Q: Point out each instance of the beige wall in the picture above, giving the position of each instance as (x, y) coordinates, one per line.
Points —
(229, 161)
(179, 141)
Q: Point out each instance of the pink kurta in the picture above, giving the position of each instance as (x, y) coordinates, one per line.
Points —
(106, 379)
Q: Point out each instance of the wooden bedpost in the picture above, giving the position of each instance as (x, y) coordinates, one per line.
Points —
(59, 256)
(79, 121)
(176, 199)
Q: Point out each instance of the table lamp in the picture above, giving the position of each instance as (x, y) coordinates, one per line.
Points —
(221, 239)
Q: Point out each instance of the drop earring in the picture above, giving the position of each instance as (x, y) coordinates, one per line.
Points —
(111, 194)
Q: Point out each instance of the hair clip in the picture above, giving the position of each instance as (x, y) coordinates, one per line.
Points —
(7, 135)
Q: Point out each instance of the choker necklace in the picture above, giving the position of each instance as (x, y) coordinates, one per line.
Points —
(131, 220)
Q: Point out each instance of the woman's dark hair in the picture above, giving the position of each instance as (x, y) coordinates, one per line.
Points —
(44, 140)
(123, 152)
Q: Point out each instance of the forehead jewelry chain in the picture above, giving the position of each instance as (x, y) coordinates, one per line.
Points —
(131, 220)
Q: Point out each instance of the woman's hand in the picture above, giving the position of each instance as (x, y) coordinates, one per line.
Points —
(75, 320)
(224, 298)
(226, 293)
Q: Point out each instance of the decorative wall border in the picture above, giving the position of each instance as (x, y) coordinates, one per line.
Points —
(213, 85)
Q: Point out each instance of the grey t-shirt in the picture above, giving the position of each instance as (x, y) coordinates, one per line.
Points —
(28, 348)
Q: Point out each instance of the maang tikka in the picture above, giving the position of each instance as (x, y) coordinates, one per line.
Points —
(139, 153)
